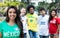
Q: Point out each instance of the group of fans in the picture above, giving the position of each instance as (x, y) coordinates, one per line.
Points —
(45, 25)
(18, 24)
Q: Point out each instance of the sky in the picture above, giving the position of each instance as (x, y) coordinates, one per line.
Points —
(49, 1)
(36, 1)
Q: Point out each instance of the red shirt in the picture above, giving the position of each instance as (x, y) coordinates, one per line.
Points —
(53, 26)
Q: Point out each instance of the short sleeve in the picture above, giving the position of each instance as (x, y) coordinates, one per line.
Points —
(36, 15)
(58, 20)
(0, 27)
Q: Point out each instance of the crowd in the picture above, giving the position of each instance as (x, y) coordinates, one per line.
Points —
(24, 22)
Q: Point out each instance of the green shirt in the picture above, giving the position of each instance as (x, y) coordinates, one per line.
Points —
(8, 31)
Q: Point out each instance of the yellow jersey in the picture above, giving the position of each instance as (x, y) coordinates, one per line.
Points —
(32, 21)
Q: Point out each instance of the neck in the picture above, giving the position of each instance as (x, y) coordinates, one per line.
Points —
(31, 13)
(22, 15)
(43, 15)
(11, 22)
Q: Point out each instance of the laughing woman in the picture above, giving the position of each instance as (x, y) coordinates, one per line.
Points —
(11, 27)
(54, 24)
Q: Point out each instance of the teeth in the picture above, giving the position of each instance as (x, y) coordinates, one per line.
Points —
(12, 16)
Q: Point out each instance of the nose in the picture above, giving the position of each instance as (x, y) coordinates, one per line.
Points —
(12, 13)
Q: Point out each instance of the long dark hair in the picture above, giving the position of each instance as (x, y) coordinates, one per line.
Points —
(17, 19)
(50, 16)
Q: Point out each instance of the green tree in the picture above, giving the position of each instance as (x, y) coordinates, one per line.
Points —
(42, 4)
(52, 6)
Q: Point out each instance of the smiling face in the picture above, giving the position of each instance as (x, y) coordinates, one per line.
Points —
(23, 11)
(11, 14)
(43, 12)
(53, 13)
(31, 10)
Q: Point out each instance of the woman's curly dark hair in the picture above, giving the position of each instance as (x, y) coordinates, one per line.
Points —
(29, 6)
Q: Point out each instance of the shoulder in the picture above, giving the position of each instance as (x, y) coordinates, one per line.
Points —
(57, 18)
(27, 14)
(35, 15)
(39, 16)
(25, 17)
(47, 16)
(1, 23)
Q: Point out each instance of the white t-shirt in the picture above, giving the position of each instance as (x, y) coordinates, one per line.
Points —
(43, 25)
(24, 20)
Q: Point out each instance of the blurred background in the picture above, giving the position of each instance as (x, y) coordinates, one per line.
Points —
(47, 4)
